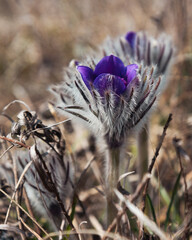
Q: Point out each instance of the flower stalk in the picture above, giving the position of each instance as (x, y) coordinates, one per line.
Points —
(112, 176)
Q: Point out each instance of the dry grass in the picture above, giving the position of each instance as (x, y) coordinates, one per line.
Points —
(39, 38)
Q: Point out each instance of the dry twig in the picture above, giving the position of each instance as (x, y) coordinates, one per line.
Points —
(33, 219)
(154, 159)
(14, 142)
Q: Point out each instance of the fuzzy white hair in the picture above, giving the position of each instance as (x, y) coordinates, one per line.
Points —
(104, 115)
(146, 50)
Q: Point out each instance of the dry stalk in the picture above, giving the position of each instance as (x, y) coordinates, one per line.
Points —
(139, 188)
(17, 197)
(29, 208)
(154, 159)
(14, 142)
(114, 223)
(31, 230)
(131, 198)
(54, 189)
(88, 232)
(186, 194)
(22, 209)
(16, 188)
(7, 150)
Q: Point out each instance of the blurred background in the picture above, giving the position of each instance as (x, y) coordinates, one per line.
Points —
(39, 38)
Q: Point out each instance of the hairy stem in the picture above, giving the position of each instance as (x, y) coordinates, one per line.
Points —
(112, 176)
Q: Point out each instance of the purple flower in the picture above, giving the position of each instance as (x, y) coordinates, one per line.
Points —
(149, 50)
(110, 74)
(111, 96)
(130, 37)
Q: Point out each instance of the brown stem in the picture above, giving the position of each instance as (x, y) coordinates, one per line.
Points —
(13, 141)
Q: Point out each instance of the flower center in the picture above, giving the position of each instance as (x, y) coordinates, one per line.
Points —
(108, 82)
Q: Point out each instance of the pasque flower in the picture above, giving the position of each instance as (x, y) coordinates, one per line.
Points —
(114, 93)
(142, 48)
(114, 98)
(110, 74)
(150, 50)
(111, 96)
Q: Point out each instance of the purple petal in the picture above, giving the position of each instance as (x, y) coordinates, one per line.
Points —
(110, 64)
(86, 74)
(130, 37)
(110, 82)
(131, 72)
